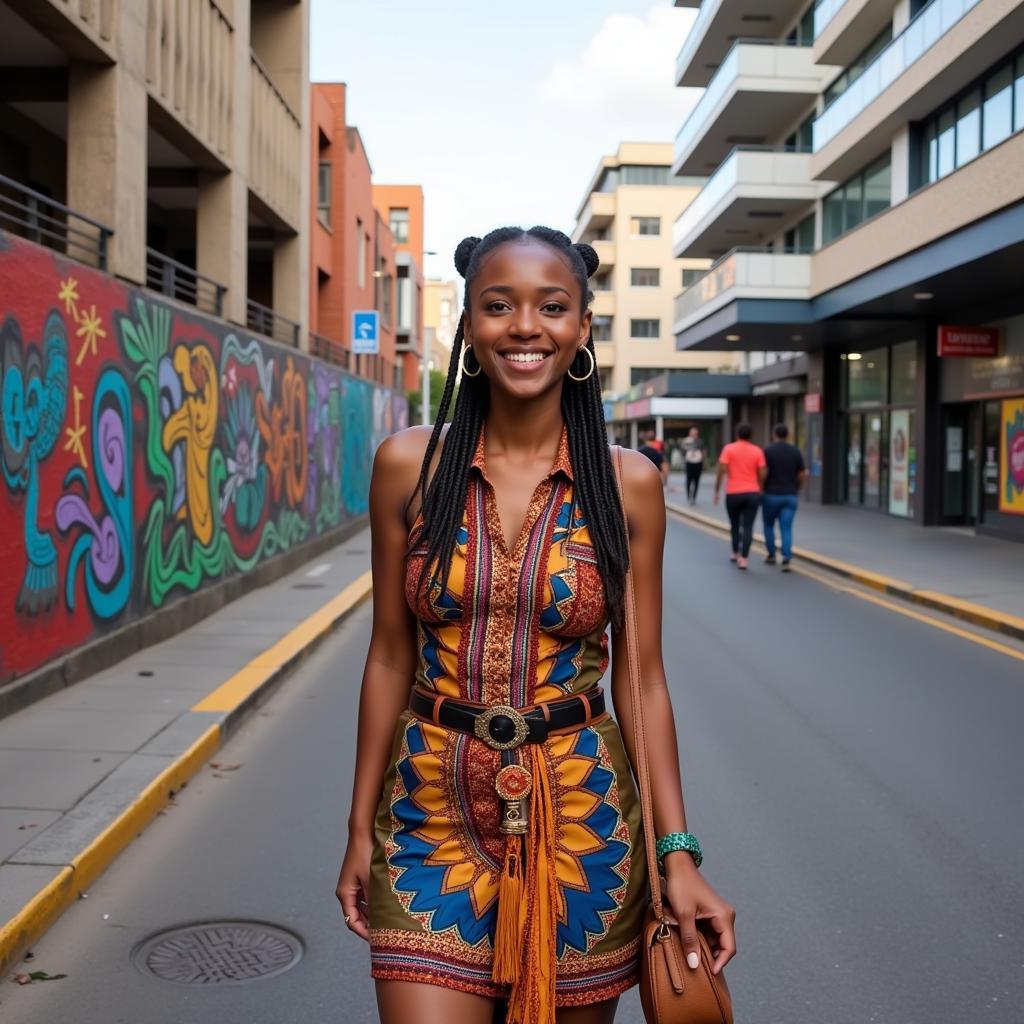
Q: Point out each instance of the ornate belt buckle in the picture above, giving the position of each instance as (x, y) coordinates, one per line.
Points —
(501, 727)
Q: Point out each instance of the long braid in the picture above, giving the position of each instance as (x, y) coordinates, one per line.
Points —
(595, 490)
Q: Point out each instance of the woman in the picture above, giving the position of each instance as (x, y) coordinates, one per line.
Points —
(742, 465)
(497, 855)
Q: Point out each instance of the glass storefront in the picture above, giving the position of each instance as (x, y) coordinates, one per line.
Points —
(878, 435)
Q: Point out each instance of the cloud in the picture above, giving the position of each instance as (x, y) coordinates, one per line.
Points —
(624, 76)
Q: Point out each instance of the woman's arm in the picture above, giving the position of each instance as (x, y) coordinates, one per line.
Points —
(390, 662)
(689, 895)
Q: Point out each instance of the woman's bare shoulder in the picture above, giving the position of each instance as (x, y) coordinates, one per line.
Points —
(399, 459)
(641, 480)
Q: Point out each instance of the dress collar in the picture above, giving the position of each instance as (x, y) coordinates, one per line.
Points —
(562, 463)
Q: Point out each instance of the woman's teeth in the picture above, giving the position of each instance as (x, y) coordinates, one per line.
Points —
(525, 357)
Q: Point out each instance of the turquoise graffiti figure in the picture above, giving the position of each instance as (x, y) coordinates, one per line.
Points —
(34, 401)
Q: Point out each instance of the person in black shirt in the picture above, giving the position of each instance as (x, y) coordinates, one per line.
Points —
(654, 450)
(786, 475)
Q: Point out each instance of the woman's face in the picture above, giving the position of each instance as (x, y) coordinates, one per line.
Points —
(526, 319)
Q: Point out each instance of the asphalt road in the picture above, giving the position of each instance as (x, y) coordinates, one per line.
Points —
(854, 776)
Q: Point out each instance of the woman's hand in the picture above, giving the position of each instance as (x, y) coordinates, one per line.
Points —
(692, 899)
(354, 885)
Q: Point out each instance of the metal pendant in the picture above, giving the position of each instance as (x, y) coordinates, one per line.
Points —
(513, 784)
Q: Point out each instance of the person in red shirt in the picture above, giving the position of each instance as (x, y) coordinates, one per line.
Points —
(742, 464)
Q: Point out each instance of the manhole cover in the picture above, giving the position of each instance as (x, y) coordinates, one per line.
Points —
(220, 953)
(307, 586)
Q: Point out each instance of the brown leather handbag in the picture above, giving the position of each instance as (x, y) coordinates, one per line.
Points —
(670, 991)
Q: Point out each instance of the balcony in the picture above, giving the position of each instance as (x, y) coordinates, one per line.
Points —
(743, 274)
(604, 303)
(84, 29)
(748, 197)
(189, 68)
(596, 215)
(605, 250)
(719, 23)
(182, 282)
(948, 44)
(843, 28)
(33, 216)
(275, 149)
(271, 324)
(757, 94)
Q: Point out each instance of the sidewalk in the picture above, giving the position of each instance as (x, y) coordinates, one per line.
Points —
(976, 578)
(83, 771)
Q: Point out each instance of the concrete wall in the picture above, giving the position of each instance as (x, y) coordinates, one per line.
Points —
(150, 453)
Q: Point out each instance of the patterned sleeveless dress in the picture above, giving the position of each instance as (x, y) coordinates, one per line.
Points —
(512, 627)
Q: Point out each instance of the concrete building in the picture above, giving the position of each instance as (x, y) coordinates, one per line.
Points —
(626, 214)
(178, 130)
(865, 212)
(355, 261)
(441, 311)
(401, 207)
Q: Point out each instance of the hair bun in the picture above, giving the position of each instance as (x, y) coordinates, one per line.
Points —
(464, 253)
(590, 258)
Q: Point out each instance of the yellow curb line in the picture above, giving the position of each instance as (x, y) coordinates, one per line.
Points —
(976, 614)
(36, 916)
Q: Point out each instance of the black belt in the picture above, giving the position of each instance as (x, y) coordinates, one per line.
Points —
(504, 728)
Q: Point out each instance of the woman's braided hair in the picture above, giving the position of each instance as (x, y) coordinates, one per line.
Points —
(595, 489)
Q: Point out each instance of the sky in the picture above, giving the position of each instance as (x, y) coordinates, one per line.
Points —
(501, 112)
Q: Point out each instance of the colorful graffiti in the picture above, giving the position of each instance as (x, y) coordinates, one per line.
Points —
(148, 451)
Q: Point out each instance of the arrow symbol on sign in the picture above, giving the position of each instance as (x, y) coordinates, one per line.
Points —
(365, 330)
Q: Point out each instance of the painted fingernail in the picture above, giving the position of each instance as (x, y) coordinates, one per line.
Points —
(693, 959)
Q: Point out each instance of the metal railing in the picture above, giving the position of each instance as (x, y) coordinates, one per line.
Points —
(184, 283)
(271, 324)
(375, 367)
(40, 219)
(930, 24)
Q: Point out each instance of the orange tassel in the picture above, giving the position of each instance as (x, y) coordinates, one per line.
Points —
(532, 1000)
(508, 938)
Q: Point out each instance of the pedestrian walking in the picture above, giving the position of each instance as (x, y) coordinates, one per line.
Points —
(693, 460)
(655, 451)
(495, 835)
(742, 465)
(786, 476)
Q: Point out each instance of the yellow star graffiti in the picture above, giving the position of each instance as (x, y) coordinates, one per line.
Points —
(90, 327)
(68, 294)
(75, 433)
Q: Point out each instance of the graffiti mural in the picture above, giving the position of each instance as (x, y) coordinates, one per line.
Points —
(148, 451)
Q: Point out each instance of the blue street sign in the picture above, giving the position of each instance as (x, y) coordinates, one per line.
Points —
(365, 331)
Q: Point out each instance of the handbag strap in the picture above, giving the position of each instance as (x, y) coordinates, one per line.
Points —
(636, 703)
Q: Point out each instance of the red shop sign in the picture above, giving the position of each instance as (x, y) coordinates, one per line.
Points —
(968, 341)
(812, 403)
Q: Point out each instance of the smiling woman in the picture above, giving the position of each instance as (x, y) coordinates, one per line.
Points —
(496, 849)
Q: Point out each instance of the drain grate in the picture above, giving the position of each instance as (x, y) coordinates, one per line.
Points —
(218, 953)
(308, 586)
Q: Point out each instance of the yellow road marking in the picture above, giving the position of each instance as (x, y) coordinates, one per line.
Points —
(910, 613)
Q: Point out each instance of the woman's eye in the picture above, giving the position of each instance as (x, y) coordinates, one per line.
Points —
(497, 306)
(553, 307)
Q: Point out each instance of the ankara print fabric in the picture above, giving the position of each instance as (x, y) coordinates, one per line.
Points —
(514, 627)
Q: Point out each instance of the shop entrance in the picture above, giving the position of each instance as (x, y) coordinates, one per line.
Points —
(961, 465)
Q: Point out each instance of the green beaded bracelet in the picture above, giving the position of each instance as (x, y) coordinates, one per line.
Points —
(680, 841)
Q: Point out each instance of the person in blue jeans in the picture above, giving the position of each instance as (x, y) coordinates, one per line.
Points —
(786, 475)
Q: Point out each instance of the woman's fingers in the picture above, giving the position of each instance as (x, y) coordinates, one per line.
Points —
(355, 907)
(722, 920)
(686, 916)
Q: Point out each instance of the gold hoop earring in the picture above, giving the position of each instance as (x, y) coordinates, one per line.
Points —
(462, 364)
(590, 372)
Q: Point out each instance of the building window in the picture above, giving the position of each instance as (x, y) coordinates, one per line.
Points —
(642, 374)
(645, 226)
(986, 113)
(362, 241)
(644, 329)
(601, 328)
(398, 221)
(802, 140)
(800, 239)
(689, 276)
(640, 174)
(863, 196)
(644, 277)
(803, 33)
(323, 193)
(858, 65)
(382, 285)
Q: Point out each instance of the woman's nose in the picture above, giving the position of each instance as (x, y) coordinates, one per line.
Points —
(524, 324)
